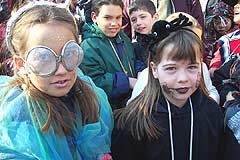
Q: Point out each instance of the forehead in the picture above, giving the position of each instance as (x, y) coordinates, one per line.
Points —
(171, 52)
(110, 10)
(53, 36)
(139, 12)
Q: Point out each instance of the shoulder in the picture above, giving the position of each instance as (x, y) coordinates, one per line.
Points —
(231, 36)
(13, 103)
(92, 31)
(91, 42)
(205, 104)
(104, 104)
(124, 37)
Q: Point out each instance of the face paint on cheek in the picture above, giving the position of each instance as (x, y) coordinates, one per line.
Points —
(166, 89)
(199, 76)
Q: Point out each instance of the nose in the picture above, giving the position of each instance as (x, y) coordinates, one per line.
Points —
(138, 22)
(114, 22)
(182, 76)
(61, 70)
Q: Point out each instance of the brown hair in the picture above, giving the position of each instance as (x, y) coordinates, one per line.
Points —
(145, 5)
(137, 115)
(97, 4)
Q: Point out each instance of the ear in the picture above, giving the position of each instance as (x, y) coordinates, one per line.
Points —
(156, 17)
(18, 62)
(154, 70)
(94, 17)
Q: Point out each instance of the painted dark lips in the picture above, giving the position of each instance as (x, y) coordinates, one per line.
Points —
(182, 90)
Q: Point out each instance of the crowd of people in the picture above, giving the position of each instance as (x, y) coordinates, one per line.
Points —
(119, 79)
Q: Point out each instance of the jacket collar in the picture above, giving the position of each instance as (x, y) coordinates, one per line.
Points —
(92, 30)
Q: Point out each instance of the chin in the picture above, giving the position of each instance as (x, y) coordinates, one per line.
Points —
(59, 93)
(111, 35)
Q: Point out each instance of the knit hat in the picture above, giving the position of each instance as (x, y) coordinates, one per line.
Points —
(220, 9)
(223, 9)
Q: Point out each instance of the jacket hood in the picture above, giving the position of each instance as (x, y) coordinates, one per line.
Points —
(93, 31)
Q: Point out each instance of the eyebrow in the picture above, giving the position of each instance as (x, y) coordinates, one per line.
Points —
(108, 15)
(171, 64)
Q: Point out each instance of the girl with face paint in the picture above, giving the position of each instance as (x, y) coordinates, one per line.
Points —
(173, 117)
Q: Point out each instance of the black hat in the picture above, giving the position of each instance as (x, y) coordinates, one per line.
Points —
(231, 2)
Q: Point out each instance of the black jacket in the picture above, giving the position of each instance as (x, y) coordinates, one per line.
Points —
(220, 80)
(207, 134)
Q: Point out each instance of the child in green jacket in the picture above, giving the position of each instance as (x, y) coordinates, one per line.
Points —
(109, 55)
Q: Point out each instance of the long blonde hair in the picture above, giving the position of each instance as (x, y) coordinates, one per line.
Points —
(85, 100)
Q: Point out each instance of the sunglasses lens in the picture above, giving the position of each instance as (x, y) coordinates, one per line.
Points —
(41, 61)
(73, 55)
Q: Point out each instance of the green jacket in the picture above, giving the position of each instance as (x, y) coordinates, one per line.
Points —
(101, 64)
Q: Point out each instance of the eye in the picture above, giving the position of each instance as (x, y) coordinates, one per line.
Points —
(119, 17)
(107, 17)
(143, 17)
(134, 20)
(170, 68)
(193, 67)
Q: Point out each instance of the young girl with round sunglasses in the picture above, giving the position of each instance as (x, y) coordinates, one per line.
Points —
(172, 118)
(49, 109)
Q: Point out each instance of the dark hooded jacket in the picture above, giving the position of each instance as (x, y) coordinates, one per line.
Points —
(207, 133)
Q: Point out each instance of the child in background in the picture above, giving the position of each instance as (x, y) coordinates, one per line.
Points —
(228, 45)
(225, 56)
(142, 15)
(172, 118)
(110, 57)
(49, 109)
(143, 77)
(219, 21)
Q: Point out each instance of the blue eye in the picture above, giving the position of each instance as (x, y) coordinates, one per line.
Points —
(170, 68)
(193, 67)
